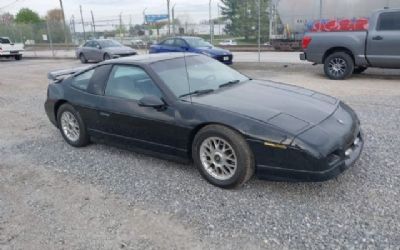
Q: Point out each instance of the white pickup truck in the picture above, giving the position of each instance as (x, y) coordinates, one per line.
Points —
(9, 49)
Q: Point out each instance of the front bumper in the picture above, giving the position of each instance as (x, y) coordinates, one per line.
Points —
(124, 55)
(226, 59)
(330, 171)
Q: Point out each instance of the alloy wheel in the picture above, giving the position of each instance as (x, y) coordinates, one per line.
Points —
(70, 126)
(337, 67)
(218, 158)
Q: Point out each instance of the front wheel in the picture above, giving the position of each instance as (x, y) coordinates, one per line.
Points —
(18, 57)
(223, 156)
(71, 126)
(339, 66)
(83, 58)
(106, 57)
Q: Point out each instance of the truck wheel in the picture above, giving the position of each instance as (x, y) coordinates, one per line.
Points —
(339, 66)
(18, 57)
(359, 70)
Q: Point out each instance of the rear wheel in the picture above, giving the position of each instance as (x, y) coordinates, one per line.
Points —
(223, 156)
(71, 126)
(18, 57)
(359, 70)
(106, 57)
(83, 58)
(339, 66)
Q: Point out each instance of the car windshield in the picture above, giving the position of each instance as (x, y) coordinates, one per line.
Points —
(197, 42)
(4, 40)
(109, 43)
(201, 75)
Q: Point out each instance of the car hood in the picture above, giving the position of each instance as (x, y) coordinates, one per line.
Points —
(291, 108)
(214, 51)
(117, 50)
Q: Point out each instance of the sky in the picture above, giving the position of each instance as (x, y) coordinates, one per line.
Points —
(193, 10)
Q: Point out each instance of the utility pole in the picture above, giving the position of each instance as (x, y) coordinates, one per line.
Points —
(120, 26)
(144, 15)
(320, 10)
(219, 19)
(271, 14)
(63, 20)
(210, 22)
(93, 24)
(169, 19)
(73, 25)
(259, 31)
(173, 19)
(83, 23)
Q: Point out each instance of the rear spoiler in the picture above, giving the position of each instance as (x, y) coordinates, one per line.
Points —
(62, 74)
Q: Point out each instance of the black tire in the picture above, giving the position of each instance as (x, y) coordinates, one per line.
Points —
(359, 70)
(106, 57)
(83, 138)
(83, 58)
(18, 57)
(343, 72)
(244, 156)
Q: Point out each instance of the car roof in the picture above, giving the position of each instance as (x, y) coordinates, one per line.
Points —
(151, 58)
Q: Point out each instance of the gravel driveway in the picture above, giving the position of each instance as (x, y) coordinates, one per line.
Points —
(53, 196)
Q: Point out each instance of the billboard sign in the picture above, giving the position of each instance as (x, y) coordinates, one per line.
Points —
(156, 18)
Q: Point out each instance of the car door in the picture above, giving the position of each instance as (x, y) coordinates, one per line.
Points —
(181, 45)
(123, 118)
(97, 52)
(88, 51)
(167, 46)
(383, 48)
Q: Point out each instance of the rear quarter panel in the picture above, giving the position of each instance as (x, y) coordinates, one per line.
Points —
(322, 42)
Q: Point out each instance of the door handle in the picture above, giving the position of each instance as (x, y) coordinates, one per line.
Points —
(377, 38)
(104, 114)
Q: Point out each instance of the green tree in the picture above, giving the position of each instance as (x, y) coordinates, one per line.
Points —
(242, 18)
(26, 15)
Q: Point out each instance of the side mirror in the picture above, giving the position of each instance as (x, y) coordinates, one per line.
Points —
(152, 101)
(98, 46)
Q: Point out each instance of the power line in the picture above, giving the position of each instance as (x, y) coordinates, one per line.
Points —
(10, 4)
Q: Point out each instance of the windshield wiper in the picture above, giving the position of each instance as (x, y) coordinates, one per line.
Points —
(229, 83)
(198, 92)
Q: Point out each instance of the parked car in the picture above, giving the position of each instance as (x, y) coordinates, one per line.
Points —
(103, 49)
(185, 105)
(194, 45)
(345, 53)
(8, 49)
(138, 43)
(228, 43)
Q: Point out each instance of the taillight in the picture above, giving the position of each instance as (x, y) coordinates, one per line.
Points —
(306, 42)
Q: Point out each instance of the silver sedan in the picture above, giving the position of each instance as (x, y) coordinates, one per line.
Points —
(103, 49)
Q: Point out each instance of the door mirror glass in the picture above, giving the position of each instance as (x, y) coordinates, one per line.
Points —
(151, 101)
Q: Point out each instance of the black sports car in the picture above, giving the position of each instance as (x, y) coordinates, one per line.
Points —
(191, 106)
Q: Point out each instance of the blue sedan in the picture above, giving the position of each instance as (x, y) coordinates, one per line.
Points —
(193, 45)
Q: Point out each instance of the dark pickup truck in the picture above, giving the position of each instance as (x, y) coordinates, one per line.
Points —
(352, 52)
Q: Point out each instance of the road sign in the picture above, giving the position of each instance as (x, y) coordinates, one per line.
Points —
(155, 18)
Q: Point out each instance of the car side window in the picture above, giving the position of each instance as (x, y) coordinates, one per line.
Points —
(389, 21)
(87, 44)
(130, 82)
(81, 81)
(180, 43)
(169, 42)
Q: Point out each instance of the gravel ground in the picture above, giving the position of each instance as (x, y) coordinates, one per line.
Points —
(100, 197)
